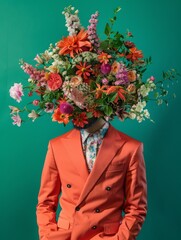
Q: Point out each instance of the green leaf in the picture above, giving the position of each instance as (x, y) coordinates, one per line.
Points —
(107, 29)
(111, 20)
(104, 45)
(117, 10)
(100, 101)
(89, 114)
(112, 97)
(93, 85)
(108, 110)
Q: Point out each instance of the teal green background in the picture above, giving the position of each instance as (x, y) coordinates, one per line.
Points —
(27, 28)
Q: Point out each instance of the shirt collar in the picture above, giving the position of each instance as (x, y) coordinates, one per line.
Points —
(101, 132)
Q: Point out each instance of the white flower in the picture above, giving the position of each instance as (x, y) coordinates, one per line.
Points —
(33, 115)
(30, 80)
(146, 113)
(159, 101)
(139, 119)
(132, 115)
(139, 107)
(64, 73)
(14, 109)
(143, 90)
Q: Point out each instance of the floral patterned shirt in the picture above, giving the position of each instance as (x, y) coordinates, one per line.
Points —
(91, 143)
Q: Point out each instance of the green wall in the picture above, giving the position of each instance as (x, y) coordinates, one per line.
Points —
(27, 28)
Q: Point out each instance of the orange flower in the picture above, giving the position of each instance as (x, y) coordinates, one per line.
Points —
(84, 70)
(134, 54)
(99, 90)
(80, 120)
(75, 81)
(60, 117)
(131, 88)
(132, 75)
(115, 67)
(119, 90)
(104, 57)
(74, 44)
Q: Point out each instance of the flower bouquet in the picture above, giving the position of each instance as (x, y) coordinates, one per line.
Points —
(82, 76)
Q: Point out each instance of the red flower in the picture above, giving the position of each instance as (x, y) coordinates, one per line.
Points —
(54, 81)
(95, 113)
(84, 70)
(134, 54)
(80, 120)
(129, 44)
(60, 117)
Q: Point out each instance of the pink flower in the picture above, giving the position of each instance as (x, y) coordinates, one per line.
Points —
(78, 97)
(66, 108)
(36, 102)
(17, 120)
(105, 81)
(16, 92)
(105, 68)
(152, 78)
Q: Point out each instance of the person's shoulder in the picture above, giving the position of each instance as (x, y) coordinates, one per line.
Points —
(62, 136)
(129, 140)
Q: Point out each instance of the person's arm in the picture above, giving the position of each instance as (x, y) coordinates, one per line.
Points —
(50, 188)
(135, 205)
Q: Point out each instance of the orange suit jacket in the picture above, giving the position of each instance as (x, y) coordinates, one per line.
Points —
(92, 203)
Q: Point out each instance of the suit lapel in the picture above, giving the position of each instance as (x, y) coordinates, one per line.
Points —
(73, 146)
(111, 144)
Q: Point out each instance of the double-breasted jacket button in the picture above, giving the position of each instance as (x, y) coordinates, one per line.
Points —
(69, 185)
(97, 210)
(108, 188)
(94, 227)
(77, 208)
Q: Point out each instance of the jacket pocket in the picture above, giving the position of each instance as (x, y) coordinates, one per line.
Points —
(115, 167)
(111, 228)
(63, 223)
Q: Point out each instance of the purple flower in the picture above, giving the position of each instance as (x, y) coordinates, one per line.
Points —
(105, 68)
(122, 76)
(17, 120)
(16, 91)
(66, 108)
(92, 34)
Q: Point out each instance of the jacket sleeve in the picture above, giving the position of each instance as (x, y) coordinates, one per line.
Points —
(135, 204)
(50, 189)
